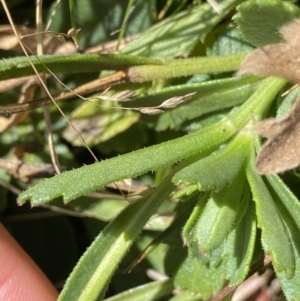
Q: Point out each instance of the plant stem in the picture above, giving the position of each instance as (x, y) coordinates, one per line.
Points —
(186, 67)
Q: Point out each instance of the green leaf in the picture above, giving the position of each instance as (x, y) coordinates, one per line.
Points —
(203, 274)
(259, 20)
(105, 210)
(100, 128)
(290, 287)
(90, 277)
(239, 247)
(148, 292)
(72, 63)
(73, 22)
(219, 215)
(275, 238)
(123, 142)
(228, 43)
(288, 203)
(189, 227)
(289, 207)
(187, 296)
(75, 183)
(211, 96)
(287, 102)
(218, 169)
(97, 175)
(98, 20)
(178, 35)
(181, 215)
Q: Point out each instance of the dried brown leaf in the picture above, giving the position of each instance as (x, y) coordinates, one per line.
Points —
(26, 172)
(27, 94)
(8, 41)
(51, 44)
(89, 128)
(281, 59)
(14, 82)
(282, 150)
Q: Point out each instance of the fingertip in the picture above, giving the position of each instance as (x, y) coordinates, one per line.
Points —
(20, 277)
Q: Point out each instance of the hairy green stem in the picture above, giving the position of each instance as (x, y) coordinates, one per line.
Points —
(186, 67)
